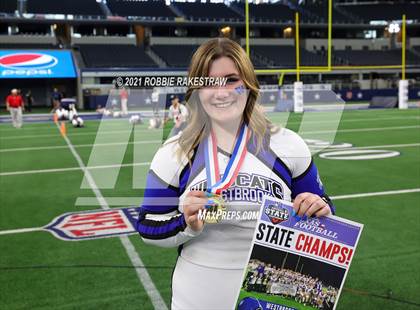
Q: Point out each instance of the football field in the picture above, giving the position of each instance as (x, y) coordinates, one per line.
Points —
(46, 264)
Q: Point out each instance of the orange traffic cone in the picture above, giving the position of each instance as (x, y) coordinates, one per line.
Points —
(63, 129)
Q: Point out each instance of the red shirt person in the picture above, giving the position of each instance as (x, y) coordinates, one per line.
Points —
(14, 100)
(15, 105)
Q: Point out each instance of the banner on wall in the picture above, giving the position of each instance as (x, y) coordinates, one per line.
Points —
(28, 64)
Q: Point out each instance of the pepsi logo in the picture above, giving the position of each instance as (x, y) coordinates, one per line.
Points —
(28, 61)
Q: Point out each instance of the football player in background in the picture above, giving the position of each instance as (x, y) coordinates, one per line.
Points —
(275, 162)
(74, 117)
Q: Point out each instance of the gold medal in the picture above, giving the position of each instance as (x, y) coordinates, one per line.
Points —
(214, 212)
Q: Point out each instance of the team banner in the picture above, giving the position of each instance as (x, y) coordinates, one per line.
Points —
(297, 264)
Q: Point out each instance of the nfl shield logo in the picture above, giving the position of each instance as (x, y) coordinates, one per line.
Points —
(94, 224)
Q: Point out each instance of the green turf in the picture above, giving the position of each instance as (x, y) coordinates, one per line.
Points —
(98, 274)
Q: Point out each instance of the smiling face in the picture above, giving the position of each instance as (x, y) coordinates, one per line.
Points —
(222, 109)
(224, 104)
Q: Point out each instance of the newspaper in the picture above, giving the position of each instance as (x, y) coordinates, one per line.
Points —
(297, 264)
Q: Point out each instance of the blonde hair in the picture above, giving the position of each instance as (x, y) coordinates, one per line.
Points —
(199, 122)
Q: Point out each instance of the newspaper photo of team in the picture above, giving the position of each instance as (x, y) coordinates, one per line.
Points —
(287, 280)
(265, 278)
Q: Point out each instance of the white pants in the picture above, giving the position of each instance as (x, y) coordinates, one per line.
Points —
(16, 114)
(124, 108)
(197, 287)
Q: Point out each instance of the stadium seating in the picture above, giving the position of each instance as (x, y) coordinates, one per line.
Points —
(75, 7)
(260, 62)
(179, 56)
(269, 13)
(411, 58)
(311, 13)
(3, 29)
(374, 57)
(155, 9)
(175, 55)
(318, 13)
(285, 56)
(28, 46)
(388, 11)
(115, 56)
(196, 11)
(8, 6)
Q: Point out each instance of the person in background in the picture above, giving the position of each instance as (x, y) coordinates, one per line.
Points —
(124, 100)
(56, 97)
(178, 113)
(155, 100)
(15, 105)
(29, 100)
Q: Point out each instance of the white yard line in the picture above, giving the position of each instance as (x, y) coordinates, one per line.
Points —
(132, 201)
(135, 259)
(19, 231)
(384, 146)
(361, 195)
(327, 148)
(127, 201)
(37, 148)
(89, 133)
(360, 129)
(71, 169)
(53, 170)
(7, 126)
(110, 132)
(113, 201)
(350, 120)
(50, 126)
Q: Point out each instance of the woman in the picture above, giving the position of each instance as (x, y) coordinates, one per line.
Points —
(275, 162)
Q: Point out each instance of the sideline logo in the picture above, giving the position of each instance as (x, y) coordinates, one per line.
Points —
(94, 224)
(28, 61)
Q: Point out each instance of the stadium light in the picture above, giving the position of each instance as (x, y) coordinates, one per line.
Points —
(225, 30)
(287, 32)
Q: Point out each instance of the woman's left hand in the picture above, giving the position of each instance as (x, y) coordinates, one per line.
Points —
(308, 204)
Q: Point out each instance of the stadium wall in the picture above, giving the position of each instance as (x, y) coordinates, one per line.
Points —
(341, 44)
(41, 89)
(27, 39)
(103, 40)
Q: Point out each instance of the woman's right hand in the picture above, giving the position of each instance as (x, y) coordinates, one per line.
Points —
(193, 202)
